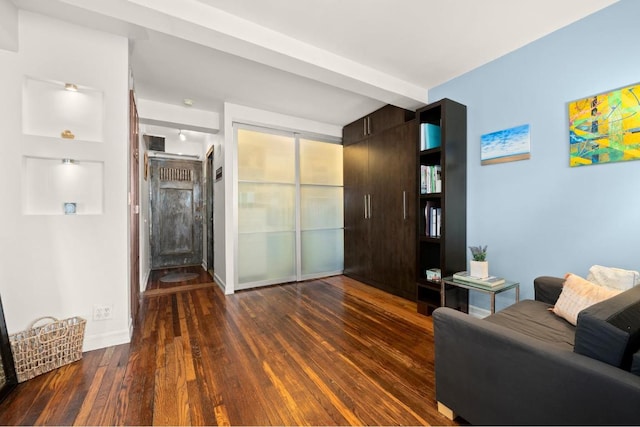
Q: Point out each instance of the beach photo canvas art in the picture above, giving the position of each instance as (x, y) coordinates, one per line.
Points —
(506, 145)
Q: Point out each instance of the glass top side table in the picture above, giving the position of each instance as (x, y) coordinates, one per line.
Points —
(492, 291)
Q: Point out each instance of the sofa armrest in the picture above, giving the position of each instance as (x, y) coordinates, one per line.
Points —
(489, 374)
(547, 288)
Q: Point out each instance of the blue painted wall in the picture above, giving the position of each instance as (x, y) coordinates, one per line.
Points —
(539, 216)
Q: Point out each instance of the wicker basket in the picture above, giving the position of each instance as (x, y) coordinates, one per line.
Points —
(40, 349)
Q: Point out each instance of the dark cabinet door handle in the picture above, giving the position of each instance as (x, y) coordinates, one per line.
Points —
(365, 207)
(404, 205)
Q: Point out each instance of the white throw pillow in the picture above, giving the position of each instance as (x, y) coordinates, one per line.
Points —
(578, 294)
(615, 278)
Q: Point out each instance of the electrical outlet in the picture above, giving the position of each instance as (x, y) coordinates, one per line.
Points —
(102, 312)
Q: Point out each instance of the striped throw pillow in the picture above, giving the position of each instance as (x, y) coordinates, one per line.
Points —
(578, 294)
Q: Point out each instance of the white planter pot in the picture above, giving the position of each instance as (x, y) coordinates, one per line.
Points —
(479, 269)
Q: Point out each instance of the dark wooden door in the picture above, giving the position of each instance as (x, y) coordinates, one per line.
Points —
(134, 210)
(379, 211)
(354, 132)
(357, 260)
(379, 177)
(210, 181)
(395, 225)
(176, 212)
(378, 121)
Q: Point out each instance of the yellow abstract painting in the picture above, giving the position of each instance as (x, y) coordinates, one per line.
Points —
(605, 128)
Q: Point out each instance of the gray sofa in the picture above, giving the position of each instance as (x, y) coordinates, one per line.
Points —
(525, 365)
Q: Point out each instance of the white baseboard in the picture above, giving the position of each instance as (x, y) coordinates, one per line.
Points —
(145, 281)
(219, 282)
(94, 342)
(130, 328)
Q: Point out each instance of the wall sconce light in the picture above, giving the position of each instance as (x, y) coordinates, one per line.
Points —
(181, 135)
(68, 162)
(70, 87)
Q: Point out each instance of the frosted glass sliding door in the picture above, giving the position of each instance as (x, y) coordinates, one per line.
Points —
(321, 208)
(290, 208)
(266, 207)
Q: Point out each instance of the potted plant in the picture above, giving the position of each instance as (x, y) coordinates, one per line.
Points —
(478, 266)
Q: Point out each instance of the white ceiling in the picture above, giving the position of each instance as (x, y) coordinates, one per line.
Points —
(425, 42)
(327, 60)
(168, 69)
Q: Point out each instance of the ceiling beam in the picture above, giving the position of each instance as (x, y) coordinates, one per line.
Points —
(178, 117)
(199, 23)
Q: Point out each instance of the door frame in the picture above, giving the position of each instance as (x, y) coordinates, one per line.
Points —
(210, 208)
(134, 210)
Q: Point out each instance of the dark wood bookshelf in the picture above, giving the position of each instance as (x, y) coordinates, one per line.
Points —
(447, 251)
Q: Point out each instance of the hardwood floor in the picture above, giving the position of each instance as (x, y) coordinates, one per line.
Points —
(323, 352)
(155, 284)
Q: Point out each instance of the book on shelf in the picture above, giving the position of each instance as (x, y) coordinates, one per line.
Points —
(427, 220)
(433, 232)
(433, 220)
(430, 179)
(490, 281)
(429, 136)
(434, 274)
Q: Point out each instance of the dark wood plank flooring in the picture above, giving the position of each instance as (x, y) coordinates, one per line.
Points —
(154, 282)
(322, 352)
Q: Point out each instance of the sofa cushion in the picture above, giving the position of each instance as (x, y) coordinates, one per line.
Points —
(533, 318)
(612, 277)
(610, 330)
(547, 288)
(578, 294)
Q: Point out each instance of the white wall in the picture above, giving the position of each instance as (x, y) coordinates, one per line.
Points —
(540, 216)
(226, 269)
(8, 25)
(55, 264)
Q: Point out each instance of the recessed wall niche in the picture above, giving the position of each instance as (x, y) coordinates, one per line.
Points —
(51, 109)
(51, 185)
